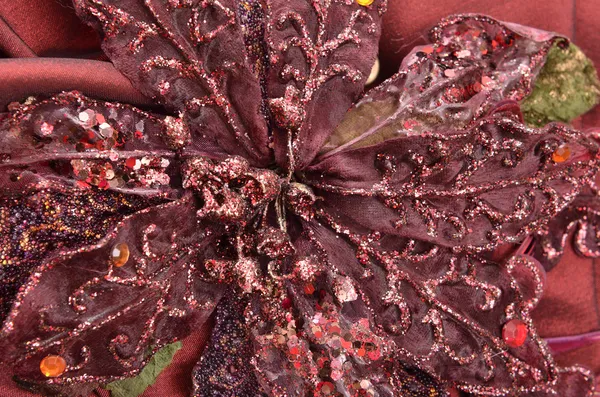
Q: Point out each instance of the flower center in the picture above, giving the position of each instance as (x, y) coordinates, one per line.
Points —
(253, 205)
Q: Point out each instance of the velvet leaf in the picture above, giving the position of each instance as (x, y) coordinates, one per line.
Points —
(566, 88)
(134, 387)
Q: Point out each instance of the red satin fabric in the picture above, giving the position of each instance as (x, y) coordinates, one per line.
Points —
(23, 77)
(50, 28)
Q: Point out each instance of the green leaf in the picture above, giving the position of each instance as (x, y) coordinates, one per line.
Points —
(566, 88)
(133, 387)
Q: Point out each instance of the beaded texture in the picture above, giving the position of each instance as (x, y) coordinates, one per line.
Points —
(346, 246)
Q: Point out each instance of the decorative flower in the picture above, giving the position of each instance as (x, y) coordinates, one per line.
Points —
(346, 253)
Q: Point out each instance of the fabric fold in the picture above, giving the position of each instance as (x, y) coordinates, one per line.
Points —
(22, 78)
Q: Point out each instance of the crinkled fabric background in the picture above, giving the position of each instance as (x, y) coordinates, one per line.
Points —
(46, 49)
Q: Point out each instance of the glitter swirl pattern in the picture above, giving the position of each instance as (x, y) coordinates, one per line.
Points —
(344, 247)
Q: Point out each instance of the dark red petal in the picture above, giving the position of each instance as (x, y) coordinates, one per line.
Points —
(448, 84)
(443, 310)
(105, 321)
(321, 55)
(472, 189)
(192, 59)
(581, 220)
(58, 189)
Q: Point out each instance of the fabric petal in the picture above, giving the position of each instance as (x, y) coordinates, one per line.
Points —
(76, 141)
(470, 190)
(473, 63)
(36, 224)
(382, 304)
(65, 180)
(191, 57)
(105, 318)
(321, 54)
(580, 221)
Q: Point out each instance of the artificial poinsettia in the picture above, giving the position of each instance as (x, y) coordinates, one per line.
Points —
(345, 252)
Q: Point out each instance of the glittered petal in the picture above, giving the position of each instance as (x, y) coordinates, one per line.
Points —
(381, 301)
(326, 343)
(321, 53)
(583, 218)
(572, 382)
(189, 55)
(76, 141)
(314, 336)
(471, 190)
(64, 182)
(37, 222)
(106, 317)
(473, 63)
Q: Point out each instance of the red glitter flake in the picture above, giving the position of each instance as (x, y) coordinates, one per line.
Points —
(46, 129)
(410, 124)
(309, 289)
(346, 344)
(131, 162)
(375, 355)
(286, 303)
(82, 185)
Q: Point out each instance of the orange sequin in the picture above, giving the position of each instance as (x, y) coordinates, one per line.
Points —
(561, 154)
(119, 255)
(53, 366)
(365, 2)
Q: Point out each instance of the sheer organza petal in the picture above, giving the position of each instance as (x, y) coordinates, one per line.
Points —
(472, 64)
(321, 54)
(71, 168)
(105, 313)
(470, 190)
(192, 58)
(383, 303)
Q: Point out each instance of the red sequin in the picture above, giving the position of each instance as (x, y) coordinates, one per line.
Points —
(515, 333)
